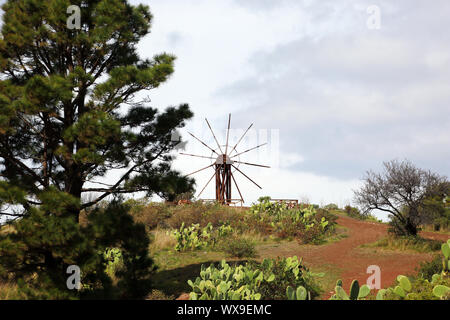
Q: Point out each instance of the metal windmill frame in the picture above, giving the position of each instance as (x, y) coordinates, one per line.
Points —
(223, 165)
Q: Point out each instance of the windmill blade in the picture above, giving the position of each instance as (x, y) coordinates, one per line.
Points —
(251, 164)
(240, 139)
(214, 136)
(207, 184)
(246, 176)
(249, 150)
(194, 155)
(204, 144)
(237, 187)
(190, 174)
(228, 133)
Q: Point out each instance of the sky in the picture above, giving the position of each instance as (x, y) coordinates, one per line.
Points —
(334, 87)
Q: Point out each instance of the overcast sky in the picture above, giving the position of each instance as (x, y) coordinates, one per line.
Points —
(332, 96)
(336, 97)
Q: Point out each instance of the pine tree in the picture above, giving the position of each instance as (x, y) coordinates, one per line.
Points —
(69, 115)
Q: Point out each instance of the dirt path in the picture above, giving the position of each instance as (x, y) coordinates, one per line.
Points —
(352, 261)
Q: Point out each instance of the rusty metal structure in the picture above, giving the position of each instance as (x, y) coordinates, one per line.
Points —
(225, 165)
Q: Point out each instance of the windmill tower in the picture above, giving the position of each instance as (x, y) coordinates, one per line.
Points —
(226, 163)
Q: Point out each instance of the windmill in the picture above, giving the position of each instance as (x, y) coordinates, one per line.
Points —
(226, 163)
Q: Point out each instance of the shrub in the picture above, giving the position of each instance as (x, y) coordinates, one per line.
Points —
(417, 289)
(312, 234)
(158, 295)
(152, 215)
(353, 212)
(427, 269)
(287, 272)
(240, 248)
(331, 206)
(192, 237)
(113, 261)
(9, 291)
(307, 224)
(202, 214)
(252, 281)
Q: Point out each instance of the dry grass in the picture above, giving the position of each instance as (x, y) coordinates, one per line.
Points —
(8, 291)
(6, 229)
(162, 240)
(430, 228)
(406, 244)
(251, 235)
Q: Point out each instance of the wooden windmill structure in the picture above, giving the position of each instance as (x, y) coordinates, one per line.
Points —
(226, 162)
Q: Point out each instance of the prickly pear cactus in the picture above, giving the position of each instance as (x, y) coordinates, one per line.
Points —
(441, 291)
(446, 252)
(356, 292)
(299, 294)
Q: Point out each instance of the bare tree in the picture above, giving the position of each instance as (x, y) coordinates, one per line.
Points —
(401, 191)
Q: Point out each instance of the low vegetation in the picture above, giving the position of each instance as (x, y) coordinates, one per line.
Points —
(187, 241)
(420, 287)
(253, 281)
(406, 243)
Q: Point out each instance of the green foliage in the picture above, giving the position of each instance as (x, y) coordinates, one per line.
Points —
(251, 281)
(43, 246)
(331, 206)
(67, 117)
(227, 283)
(386, 191)
(158, 295)
(192, 238)
(265, 205)
(113, 227)
(437, 208)
(307, 224)
(195, 238)
(356, 292)
(113, 261)
(355, 213)
(441, 291)
(446, 260)
(427, 269)
(421, 289)
(240, 248)
(299, 294)
(288, 272)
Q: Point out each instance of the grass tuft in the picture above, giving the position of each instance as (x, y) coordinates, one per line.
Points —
(417, 244)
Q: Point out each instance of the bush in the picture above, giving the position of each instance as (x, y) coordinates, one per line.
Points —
(152, 215)
(252, 281)
(192, 237)
(158, 295)
(113, 261)
(287, 272)
(311, 235)
(240, 248)
(427, 269)
(421, 289)
(331, 206)
(307, 224)
(353, 212)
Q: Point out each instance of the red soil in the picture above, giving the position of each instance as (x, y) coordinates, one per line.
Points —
(346, 256)
(353, 261)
